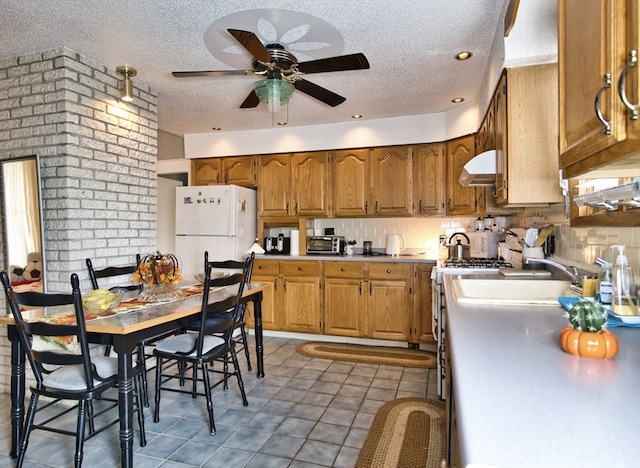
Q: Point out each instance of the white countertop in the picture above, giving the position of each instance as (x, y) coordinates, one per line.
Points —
(523, 402)
(352, 258)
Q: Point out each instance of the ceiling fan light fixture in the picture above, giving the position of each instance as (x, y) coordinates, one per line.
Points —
(126, 85)
(464, 55)
(274, 92)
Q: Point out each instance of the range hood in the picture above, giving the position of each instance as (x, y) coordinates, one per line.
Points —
(480, 171)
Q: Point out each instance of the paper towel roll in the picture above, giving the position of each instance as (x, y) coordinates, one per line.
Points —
(295, 242)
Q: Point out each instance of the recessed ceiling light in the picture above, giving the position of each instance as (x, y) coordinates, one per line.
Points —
(216, 129)
(356, 116)
(457, 100)
(463, 56)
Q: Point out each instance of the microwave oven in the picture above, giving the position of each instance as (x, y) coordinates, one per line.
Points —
(484, 244)
(325, 245)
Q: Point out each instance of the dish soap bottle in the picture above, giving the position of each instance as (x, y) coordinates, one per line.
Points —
(623, 301)
(604, 289)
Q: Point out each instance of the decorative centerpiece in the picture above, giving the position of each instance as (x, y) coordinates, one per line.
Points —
(159, 274)
(586, 336)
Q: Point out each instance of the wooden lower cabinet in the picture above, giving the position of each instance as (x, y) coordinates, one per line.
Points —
(379, 300)
(344, 301)
(367, 300)
(421, 323)
(292, 301)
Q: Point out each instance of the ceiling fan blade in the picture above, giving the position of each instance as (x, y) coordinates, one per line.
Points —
(252, 100)
(318, 92)
(340, 63)
(184, 74)
(251, 42)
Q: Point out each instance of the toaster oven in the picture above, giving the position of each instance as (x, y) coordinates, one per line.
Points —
(325, 245)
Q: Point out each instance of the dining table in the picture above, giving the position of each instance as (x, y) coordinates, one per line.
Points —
(122, 330)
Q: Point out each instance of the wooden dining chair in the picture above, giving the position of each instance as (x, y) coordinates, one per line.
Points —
(196, 353)
(65, 371)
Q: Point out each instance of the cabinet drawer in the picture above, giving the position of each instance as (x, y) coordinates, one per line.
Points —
(301, 268)
(266, 268)
(344, 269)
(390, 271)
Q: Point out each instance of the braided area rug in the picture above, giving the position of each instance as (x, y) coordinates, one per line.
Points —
(382, 355)
(407, 432)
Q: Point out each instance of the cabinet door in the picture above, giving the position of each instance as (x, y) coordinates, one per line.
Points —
(462, 200)
(391, 180)
(499, 104)
(421, 323)
(388, 310)
(428, 163)
(310, 174)
(301, 304)
(206, 171)
(274, 185)
(240, 170)
(267, 272)
(344, 306)
(590, 38)
(350, 174)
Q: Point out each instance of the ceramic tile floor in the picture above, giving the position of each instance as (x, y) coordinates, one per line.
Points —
(304, 413)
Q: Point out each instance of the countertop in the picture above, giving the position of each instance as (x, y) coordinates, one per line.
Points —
(523, 402)
(353, 258)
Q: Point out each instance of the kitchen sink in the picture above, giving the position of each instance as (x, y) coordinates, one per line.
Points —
(500, 291)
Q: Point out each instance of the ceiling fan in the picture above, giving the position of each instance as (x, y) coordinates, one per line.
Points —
(281, 67)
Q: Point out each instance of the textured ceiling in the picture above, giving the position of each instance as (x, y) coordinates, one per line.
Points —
(410, 45)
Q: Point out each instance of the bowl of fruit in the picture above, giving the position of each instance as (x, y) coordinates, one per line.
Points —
(101, 300)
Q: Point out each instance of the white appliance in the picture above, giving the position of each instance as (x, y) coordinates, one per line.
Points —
(484, 244)
(439, 305)
(395, 244)
(220, 219)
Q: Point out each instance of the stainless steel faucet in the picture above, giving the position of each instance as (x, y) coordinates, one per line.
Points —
(570, 271)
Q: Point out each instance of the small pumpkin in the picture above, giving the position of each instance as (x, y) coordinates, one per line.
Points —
(595, 345)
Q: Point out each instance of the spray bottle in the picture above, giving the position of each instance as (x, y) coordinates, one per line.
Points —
(624, 300)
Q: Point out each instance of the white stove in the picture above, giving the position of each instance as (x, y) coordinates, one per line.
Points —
(458, 267)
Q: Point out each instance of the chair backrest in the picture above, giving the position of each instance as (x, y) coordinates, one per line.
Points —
(112, 271)
(221, 316)
(238, 265)
(43, 361)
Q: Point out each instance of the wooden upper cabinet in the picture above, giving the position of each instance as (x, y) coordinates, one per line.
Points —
(274, 184)
(428, 172)
(526, 128)
(310, 183)
(239, 170)
(462, 200)
(350, 174)
(391, 180)
(206, 171)
(595, 40)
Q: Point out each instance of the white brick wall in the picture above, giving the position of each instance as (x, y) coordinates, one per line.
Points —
(98, 162)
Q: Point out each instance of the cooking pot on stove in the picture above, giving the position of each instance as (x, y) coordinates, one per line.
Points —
(459, 251)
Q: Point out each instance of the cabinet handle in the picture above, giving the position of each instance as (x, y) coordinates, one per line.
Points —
(420, 207)
(275, 284)
(299, 268)
(633, 61)
(388, 270)
(366, 207)
(601, 118)
(296, 208)
(342, 269)
(370, 289)
(287, 208)
(284, 284)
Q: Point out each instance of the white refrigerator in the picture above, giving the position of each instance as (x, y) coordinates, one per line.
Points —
(220, 219)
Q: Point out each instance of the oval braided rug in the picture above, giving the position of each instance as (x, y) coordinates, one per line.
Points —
(407, 433)
(383, 355)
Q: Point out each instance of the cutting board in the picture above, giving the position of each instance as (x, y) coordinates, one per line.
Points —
(518, 272)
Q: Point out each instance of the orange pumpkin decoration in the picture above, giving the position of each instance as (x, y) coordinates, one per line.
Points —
(595, 345)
